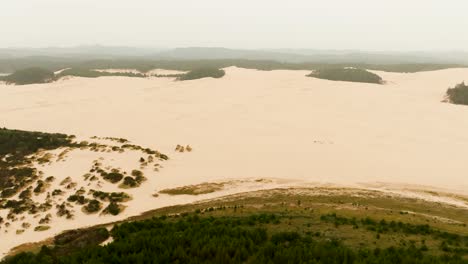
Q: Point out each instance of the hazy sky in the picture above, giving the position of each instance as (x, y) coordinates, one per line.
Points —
(323, 24)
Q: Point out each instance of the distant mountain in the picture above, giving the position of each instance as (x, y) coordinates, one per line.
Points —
(89, 52)
(204, 53)
(213, 53)
(91, 57)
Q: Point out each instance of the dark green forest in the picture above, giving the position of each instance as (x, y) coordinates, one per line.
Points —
(29, 76)
(144, 65)
(202, 73)
(15, 146)
(249, 239)
(347, 75)
(458, 94)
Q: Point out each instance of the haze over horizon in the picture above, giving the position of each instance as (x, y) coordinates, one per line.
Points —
(332, 25)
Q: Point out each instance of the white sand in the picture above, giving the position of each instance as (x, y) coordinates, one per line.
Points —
(164, 72)
(118, 70)
(151, 72)
(254, 124)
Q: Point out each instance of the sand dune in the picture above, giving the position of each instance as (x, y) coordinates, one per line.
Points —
(254, 124)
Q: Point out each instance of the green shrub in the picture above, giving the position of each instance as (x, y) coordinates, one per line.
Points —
(458, 94)
(93, 206)
(113, 208)
(130, 182)
(77, 198)
(113, 177)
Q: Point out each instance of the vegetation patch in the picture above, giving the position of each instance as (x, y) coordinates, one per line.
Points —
(347, 75)
(93, 206)
(16, 146)
(72, 240)
(41, 228)
(202, 188)
(202, 73)
(113, 208)
(254, 238)
(110, 197)
(458, 94)
(133, 181)
(29, 76)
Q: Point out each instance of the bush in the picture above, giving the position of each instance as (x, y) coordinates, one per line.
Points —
(113, 177)
(458, 94)
(113, 208)
(347, 75)
(93, 206)
(130, 182)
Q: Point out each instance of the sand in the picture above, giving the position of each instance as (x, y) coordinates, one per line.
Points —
(151, 72)
(250, 124)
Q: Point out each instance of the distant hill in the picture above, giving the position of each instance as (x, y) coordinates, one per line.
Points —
(186, 59)
(317, 56)
(215, 53)
(82, 52)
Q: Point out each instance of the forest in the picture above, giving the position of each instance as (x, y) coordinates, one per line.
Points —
(458, 94)
(202, 73)
(29, 76)
(347, 75)
(144, 65)
(191, 238)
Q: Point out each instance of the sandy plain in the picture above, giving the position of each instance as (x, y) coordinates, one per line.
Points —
(279, 125)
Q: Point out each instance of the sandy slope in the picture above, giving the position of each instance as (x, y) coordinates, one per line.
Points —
(253, 124)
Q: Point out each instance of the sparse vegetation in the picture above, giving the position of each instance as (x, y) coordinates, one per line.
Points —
(112, 197)
(347, 75)
(194, 189)
(458, 94)
(15, 148)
